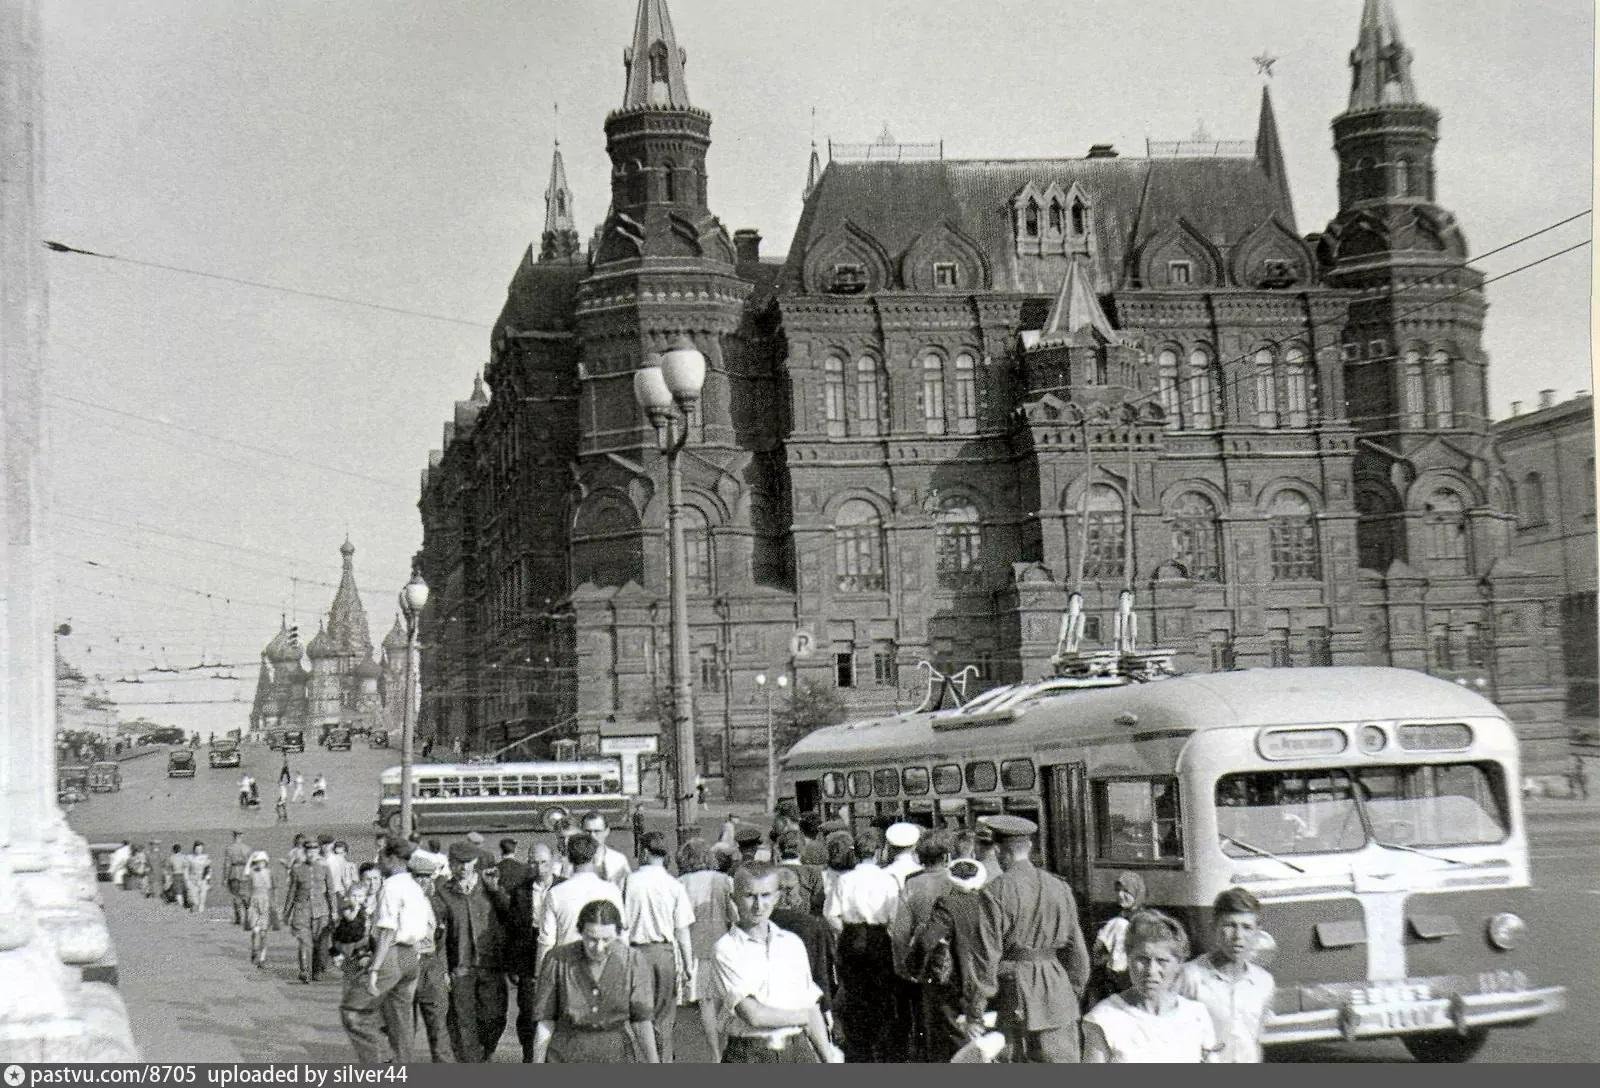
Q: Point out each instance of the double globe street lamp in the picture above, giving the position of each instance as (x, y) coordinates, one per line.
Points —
(667, 387)
(413, 599)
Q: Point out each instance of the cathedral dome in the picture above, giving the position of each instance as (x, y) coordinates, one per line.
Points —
(396, 638)
(320, 647)
(282, 648)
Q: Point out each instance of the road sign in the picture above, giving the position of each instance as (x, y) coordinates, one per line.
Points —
(628, 750)
(802, 643)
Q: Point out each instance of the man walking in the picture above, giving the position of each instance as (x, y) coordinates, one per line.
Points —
(794, 914)
(941, 958)
(402, 921)
(474, 941)
(512, 871)
(860, 908)
(197, 878)
(922, 889)
(235, 870)
(558, 920)
(432, 1002)
(609, 864)
(305, 908)
(527, 907)
(657, 914)
(1031, 957)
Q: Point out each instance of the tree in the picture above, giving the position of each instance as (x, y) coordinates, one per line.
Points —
(809, 707)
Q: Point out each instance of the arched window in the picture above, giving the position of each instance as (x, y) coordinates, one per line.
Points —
(1447, 532)
(1402, 177)
(1266, 389)
(1416, 405)
(1297, 387)
(669, 181)
(561, 202)
(1056, 217)
(1293, 536)
(1080, 218)
(1375, 538)
(958, 540)
(1530, 497)
(658, 63)
(1107, 551)
(1196, 534)
(869, 395)
(966, 394)
(833, 395)
(1167, 385)
(1444, 399)
(858, 548)
(1030, 219)
(697, 555)
(933, 394)
(1202, 391)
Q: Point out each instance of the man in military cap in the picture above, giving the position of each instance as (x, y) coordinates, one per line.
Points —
(1031, 959)
(902, 839)
(306, 910)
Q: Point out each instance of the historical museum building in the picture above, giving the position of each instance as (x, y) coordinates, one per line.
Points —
(333, 680)
(971, 387)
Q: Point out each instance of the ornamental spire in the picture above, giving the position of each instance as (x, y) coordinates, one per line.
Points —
(560, 238)
(347, 619)
(654, 63)
(1380, 64)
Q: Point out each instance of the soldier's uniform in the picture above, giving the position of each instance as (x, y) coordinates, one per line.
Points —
(306, 904)
(235, 870)
(1031, 960)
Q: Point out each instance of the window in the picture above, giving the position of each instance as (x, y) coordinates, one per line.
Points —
(1402, 178)
(1180, 273)
(1091, 628)
(860, 783)
(1530, 497)
(1017, 774)
(1107, 550)
(958, 541)
(944, 274)
(1167, 384)
(868, 395)
(1416, 405)
(710, 668)
(1350, 352)
(1293, 539)
(1297, 387)
(833, 785)
(658, 63)
(669, 178)
(933, 394)
(947, 778)
(833, 395)
(1030, 219)
(886, 783)
(858, 548)
(1055, 217)
(966, 394)
(1195, 537)
(1202, 395)
(848, 279)
(914, 780)
(1439, 641)
(1447, 532)
(1378, 349)
(1266, 389)
(1080, 219)
(696, 552)
(980, 776)
(1138, 819)
(1444, 408)
(844, 668)
(885, 672)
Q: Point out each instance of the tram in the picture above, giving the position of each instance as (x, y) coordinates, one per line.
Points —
(1373, 811)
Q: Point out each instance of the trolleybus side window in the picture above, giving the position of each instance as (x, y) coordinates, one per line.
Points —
(1138, 819)
(860, 783)
(1017, 774)
(947, 778)
(833, 785)
(980, 775)
(914, 780)
(886, 783)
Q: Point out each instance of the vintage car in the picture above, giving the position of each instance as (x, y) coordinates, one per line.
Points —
(338, 740)
(180, 763)
(105, 777)
(294, 740)
(72, 785)
(223, 755)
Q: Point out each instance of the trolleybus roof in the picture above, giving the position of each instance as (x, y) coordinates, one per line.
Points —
(586, 766)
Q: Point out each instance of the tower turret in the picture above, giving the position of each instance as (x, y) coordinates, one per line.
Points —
(560, 239)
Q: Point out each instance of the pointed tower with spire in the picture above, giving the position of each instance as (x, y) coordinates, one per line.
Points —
(1269, 153)
(813, 173)
(560, 239)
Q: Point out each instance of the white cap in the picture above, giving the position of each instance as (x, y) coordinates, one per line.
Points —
(903, 835)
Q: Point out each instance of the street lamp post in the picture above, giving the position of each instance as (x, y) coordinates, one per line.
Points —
(772, 750)
(413, 599)
(667, 387)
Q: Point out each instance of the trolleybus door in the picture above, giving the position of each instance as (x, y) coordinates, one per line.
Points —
(1066, 789)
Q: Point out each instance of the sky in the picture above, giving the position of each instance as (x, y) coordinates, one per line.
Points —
(213, 442)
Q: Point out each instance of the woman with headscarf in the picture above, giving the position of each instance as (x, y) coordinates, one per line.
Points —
(1109, 955)
(258, 904)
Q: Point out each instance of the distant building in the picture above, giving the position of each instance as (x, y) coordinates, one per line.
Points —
(80, 708)
(1549, 456)
(971, 388)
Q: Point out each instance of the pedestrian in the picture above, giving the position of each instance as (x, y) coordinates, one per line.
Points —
(432, 999)
(369, 879)
(342, 872)
(790, 845)
(765, 978)
(299, 789)
(711, 895)
(921, 890)
(473, 932)
(522, 932)
(427, 748)
(139, 869)
(902, 839)
(402, 919)
(319, 788)
(748, 840)
(257, 888)
(1234, 989)
(813, 851)
(172, 877)
(594, 997)
(197, 878)
(235, 870)
(305, 908)
(941, 958)
(859, 909)
(117, 863)
(284, 777)
(1031, 958)
(1150, 1021)
(244, 790)
(988, 854)
(841, 850)
(658, 917)
(558, 921)
(1109, 956)
(793, 913)
(283, 802)
(609, 864)
(255, 793)
(512, 871)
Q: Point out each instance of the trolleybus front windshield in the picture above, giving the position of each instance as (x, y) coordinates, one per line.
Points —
(1334, 810)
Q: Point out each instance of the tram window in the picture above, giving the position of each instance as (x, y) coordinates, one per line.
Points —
(860, 783)
(980, 775)
(1138, 819)
(947, 778)
(886, 783)
(889, 810)
(833, 785)
(449, 787)
(471, 786)
(429, 788)
(1017, 774)
(914, 780)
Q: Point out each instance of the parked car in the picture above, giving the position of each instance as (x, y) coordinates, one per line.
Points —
(294, 740)
(167, 734)
(338, 740)
(69, 793)
(105, 777)
(224, 755)
(180, 763)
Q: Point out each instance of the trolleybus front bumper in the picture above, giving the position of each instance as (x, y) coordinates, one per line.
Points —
(1399, 1013)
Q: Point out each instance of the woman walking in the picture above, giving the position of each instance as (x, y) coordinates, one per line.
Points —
(258, 908)
(1150, 1021)
(595, 996)
(711, 895)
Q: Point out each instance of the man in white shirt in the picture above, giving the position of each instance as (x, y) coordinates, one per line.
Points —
(558, 922)
(402, 920)
(657, 915)
(1236, 991)
(765, 980)
(609, 864)
(860, 908)
(902, 839)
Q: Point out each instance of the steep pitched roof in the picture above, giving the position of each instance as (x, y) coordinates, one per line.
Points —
(654, 63)
(1076, 312)
(347, 619)
(1380, 64)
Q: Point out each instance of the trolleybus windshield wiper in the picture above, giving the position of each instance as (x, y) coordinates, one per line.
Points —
(1413, 850)
(1260, 852)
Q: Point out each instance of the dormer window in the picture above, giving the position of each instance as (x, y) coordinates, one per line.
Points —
(1180, 273)
(1030, 220)
(848, 279)
(1080, 218)
(1055, 217)
(944, 274)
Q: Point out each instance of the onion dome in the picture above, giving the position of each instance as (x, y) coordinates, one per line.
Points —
(395, 640)
(320, 646)
(284, 647)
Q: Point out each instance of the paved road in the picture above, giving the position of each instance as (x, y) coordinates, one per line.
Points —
(193, 997)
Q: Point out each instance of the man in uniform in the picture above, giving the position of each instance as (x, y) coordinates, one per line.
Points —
(235, 863)
(1031, 959)
(305, 904)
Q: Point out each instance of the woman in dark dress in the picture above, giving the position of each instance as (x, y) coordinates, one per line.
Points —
(594, 999)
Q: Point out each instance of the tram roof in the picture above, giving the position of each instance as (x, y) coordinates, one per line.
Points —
(1202, 701)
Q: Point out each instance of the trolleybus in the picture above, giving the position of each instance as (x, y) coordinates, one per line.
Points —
(455, 797)
(1374, 812)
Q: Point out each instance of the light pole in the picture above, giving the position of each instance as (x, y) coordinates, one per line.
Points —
(667, 387)
(772, 751)
(413, 599)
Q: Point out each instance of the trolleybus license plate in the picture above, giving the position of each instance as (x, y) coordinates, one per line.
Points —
(1398, 1016)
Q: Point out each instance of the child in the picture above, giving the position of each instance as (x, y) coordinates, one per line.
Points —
(1234, 989)
(258, 907)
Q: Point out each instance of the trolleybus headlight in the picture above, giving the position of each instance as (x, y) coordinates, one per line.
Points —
(1506, 931)
(1373, 738)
